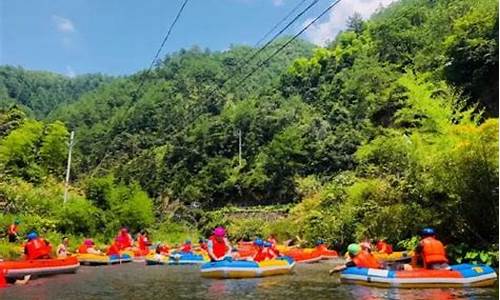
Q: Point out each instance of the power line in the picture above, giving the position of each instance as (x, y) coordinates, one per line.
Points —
(281, 21)
(167, 35)
(288, 42)
(245, 61)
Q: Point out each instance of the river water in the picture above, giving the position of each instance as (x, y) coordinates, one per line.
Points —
(137, 281)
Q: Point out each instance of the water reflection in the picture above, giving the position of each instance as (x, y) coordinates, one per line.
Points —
(135, 281)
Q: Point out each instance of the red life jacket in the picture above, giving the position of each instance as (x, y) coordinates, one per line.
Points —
(219, 248)
(114, 249)
(143, 242)
(260, 255)
(186, 248)
(366, 260)
(124, 240)
(162, 249)
(432, 251)
(37, 248)
(83, 249)
(12, 229)
(204, 246)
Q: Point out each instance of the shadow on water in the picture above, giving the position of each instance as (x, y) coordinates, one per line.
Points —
(136, 281)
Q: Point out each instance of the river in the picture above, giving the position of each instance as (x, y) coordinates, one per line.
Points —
(137, 281)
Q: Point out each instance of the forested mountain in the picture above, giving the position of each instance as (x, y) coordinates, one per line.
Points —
(40, 92)
(389, 128)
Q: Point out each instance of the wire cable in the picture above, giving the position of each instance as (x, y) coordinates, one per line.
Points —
(164, 41)
(287, 43)
(245, 61)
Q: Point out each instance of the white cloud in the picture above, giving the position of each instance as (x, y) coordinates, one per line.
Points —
(322, 33)
(63, 25)
(70, 72)
(278, 2)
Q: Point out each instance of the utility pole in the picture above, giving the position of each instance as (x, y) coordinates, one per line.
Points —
(239, 147)
(66, 183)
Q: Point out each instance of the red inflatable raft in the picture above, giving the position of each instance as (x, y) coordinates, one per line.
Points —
(39, 267)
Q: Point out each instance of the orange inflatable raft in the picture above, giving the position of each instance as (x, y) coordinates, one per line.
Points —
(303, 255)
(39, 267)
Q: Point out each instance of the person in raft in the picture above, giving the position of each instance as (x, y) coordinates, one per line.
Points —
(274, 243)
(264, 251)
(37, 247)
(114, 249)
(218, 245)
(88, 247)
(358, 258)
(143, 241)
(320, 245)
(13, 231)
(430, 251)
(202, 244)
(383, 247)
(187, 247)
(124, 239)
(62, 250)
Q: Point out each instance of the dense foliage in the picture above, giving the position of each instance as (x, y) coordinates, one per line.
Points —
(40, 93)
(390, 128)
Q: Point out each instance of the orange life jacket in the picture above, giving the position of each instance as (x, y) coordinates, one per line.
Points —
(384, 247)
(37, 248)
(219, 248)
(366, 260)
(432, 251)
(321, 248)
(12, 229)
(83, 249)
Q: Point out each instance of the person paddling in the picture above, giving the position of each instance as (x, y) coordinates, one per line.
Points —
(218, 246)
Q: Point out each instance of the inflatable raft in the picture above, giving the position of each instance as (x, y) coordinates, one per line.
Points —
(304, 255)
(247, 269)
(177, 259)
(96, 259)
(463, 275)
(39, 267)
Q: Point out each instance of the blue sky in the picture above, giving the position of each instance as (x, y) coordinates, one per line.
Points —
(121, 36)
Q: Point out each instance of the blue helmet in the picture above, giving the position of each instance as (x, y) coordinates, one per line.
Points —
(320, 241)
(32, 235)
(427, 231)
(267, 244)
(259, 242)
(187, 241)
